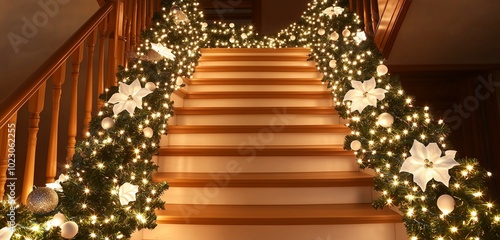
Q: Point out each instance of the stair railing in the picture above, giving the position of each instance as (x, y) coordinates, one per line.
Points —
(382, 19)
(118, 23)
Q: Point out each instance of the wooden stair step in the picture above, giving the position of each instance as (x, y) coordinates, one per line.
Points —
(254, 110)
(270, 180)
(253, 81)
(285, 58)
(278, 51)
(183, 129)
(251, 95)
(319, 214)
(256, 69)
(254, 151)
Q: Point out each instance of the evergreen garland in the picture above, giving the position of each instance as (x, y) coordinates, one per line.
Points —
(108, 158)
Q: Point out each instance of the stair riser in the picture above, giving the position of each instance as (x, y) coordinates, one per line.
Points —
(256, 164)
(300, 75)
(291, 232)
(214, 192)
(269, 120)
(258, 102)
(266, 137)
(255, 88)
(271, 54)
(256, 63)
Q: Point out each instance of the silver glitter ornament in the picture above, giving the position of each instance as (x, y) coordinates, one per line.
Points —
(42, 200)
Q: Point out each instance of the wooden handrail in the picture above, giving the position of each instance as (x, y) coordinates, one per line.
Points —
(23, 94)
(382, 20)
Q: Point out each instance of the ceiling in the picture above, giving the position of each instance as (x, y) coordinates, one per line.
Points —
(448, 32)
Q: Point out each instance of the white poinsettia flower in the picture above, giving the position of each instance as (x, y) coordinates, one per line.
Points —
(333, 11)
(57, 184)
(364, 94)
(128, 97)
(426, 163)
(63, 178)
(6, 233)
(360, 36)
(180, 17)
(127, 193)
(162, 50)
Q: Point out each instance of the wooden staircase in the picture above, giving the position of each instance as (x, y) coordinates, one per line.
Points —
(255, 153)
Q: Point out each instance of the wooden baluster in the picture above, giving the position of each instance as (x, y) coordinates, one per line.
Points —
(127, 50)
(7, 151)
(89, 90)
(143, 16)
(352, 5)
(133, 15)
(35, 107)
(120, 33)
(115, 55)
(102, 41)
(128, 26)
(76, 59)
(58, 79)
(367, 14)
(150, 13)
(375, 15)
(139, 22)
(360, 8)
(112, 49)
(157, 5)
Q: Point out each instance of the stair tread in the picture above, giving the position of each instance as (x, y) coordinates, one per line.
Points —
(186, 129)
(269, 94)
(253, 110)
(296, 150)
(281, 179)
(276, 214)
(256, 69)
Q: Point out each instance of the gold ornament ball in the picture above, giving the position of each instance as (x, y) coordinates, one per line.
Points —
(150, 86)
(179, 81)
(382, 70)
(346, 33)
(148, 132)
(321, 31)
(333, 63)
(107, 123)
(446, 204)
(42, 200)
(69, 230)
(334, 36)
(385, 120)
(58, 219)
(355, 145)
